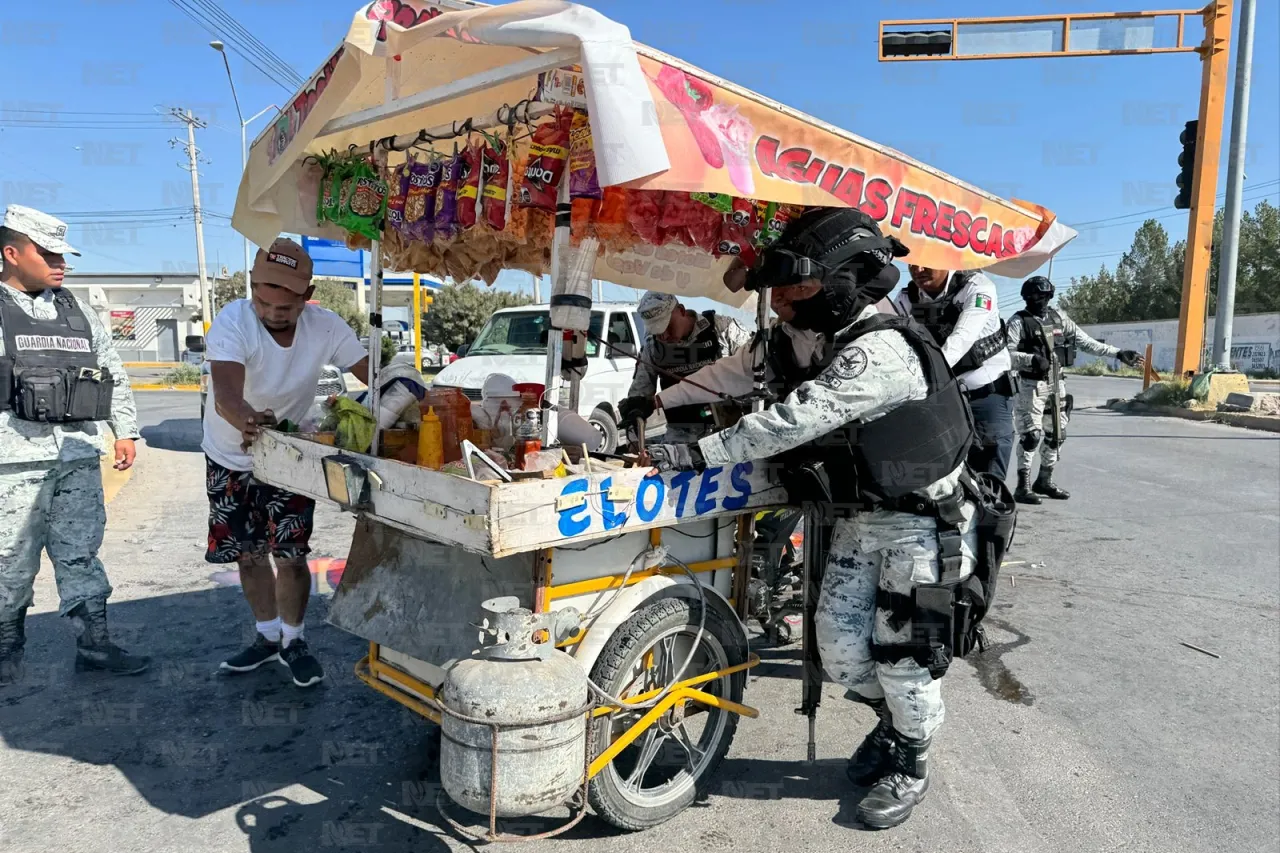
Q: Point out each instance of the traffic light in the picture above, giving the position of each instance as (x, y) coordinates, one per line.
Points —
(1187, 160)
(427, 299)
(922, 43)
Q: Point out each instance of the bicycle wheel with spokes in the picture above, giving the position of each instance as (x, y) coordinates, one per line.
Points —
(670, 764)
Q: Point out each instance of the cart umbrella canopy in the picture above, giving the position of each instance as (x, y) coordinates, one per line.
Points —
(657, 124)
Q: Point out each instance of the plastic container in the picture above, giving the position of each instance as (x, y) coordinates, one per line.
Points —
(430, 440)
(530, 395)
(454, 411)
(527, 439)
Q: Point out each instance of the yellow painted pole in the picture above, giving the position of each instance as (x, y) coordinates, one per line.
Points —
(1195, 268)
(417, 321)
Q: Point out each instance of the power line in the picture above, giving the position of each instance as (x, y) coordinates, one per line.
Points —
(1160, 209)
(218, 23)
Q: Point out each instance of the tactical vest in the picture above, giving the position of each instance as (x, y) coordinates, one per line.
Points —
(940, 316)
(686, 359)
(864, 466)
(49, 371)
(1055, 330)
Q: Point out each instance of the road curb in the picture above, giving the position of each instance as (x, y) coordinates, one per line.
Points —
(158, 386)
(142, 364)
(1236, 419)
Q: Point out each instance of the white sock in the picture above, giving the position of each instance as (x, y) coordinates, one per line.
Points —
(291, 633)
(270, 630)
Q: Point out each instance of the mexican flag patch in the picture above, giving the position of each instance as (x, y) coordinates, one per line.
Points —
(983, 302)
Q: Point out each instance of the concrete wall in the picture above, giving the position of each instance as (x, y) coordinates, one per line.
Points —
(150, 298)
(1255, 341)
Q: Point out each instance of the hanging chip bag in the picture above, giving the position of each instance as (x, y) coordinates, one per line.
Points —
(548, 154)
(583, 182)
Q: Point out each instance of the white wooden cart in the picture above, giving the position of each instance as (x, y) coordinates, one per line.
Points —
(430, 546)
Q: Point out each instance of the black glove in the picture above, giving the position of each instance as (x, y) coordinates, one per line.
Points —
(635, 407)
(1040, 366)
(1129, 358)
(677, 457)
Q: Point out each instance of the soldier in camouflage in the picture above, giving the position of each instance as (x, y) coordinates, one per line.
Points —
(681, 342)
(61, 384)
(1042, 341)
(855, 366)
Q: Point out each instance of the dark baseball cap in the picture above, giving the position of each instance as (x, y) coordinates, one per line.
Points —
(284, 264)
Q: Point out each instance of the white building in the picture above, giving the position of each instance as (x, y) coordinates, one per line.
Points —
(149, 314)
(1255, 341)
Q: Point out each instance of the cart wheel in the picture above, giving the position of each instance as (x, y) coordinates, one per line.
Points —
(670, 764)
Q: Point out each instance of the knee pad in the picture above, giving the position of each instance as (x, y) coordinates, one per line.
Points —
(1053, 443)
(1031, 440)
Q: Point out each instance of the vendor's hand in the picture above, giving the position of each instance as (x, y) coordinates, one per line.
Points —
(125, 454)
(635, 407)
(1130, 358)
(676, 457)
(253, 424)
(1040, 366)
(735, 277)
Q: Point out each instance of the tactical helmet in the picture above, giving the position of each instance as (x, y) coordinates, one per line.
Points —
(822, 241)
(1037, 287)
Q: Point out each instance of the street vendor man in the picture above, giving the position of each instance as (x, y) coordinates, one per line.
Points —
(962, 312)
(266, 354)
(681, 342)
(62, 385)
(870, 426)
(1042, 340)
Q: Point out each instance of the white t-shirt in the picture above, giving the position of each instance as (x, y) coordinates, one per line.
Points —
(282, 379)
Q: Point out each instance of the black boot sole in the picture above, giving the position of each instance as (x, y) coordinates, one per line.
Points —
(1032, 500)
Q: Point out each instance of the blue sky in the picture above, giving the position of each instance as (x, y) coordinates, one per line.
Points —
(1091, 138)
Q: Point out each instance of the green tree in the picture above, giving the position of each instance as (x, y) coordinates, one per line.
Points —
(227, 290)
(1147, 282)
(340, 298)
(459, 311)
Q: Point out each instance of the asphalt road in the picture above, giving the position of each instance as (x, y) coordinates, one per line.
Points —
(1087, 727)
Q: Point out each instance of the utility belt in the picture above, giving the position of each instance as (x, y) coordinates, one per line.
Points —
(946, 617)
(1006, 385)
(55, 394)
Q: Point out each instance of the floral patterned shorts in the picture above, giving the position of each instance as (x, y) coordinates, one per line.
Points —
(248, 518)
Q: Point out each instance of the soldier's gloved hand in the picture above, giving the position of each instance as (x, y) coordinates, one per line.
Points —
(635, 407)
(677, 457)
(1040, 366)
(1130, 358)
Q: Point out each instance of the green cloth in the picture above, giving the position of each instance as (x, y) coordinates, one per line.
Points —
(355, 425)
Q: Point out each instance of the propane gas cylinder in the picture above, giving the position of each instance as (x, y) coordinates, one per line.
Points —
(536, 695)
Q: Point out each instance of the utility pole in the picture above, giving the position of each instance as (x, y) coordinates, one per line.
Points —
(192, 122)
(1225, 314)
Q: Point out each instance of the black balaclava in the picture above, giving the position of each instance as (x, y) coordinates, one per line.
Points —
(861, 280)
(842, 298)
(1037, 291)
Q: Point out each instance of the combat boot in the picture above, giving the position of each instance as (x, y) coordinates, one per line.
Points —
(1024, 495)
(874, 756)
(1044, 486)
(94, 649)
(891, 800)
(13, 639)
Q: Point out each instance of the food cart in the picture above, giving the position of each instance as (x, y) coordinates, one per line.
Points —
(636, 579)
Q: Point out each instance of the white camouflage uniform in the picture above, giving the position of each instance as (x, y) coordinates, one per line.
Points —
(893, 551)
(1031, 412)
(51, 484)
(733, 337)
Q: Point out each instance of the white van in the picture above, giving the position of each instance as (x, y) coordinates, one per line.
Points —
(514, 342)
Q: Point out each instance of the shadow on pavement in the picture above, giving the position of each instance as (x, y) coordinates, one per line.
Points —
(762, 779)
(181, 434)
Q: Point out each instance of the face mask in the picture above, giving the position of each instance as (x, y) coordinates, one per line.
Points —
(1038, 305)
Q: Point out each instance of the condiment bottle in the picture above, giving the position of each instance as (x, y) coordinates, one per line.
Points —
(430, 441)
(528, 438)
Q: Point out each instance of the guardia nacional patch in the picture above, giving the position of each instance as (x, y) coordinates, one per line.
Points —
(849, 364)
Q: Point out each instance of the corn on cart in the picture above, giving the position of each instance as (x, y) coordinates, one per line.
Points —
(610, 658)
